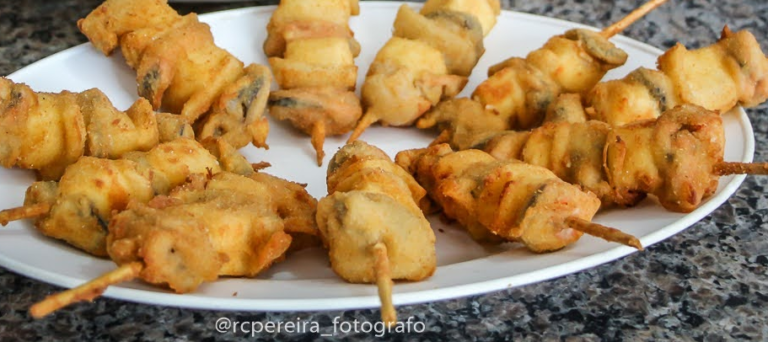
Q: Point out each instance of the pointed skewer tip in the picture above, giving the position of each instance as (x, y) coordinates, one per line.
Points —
(630, 18)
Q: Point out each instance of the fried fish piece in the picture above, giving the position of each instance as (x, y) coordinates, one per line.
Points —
(733, 71)
(247, 224)
(47, 132)
(522, 92)
(371, 222)
(180, 69)
(312, 53)
(427, 60)
(404, 81)
(300, 20)
(677, 157)
(510, 200)
(211, 226)
(91, 190)
(522, 89)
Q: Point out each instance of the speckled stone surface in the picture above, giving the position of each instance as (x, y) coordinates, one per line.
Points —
(708, 283)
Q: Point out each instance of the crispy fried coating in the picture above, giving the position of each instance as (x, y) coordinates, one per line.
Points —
(466, 124)
(404, 81)
(427, 60)
(230, 158)
(520, 90)
(112, 133)
(642, 95)
(673, 157)
(506, 199)
(372, 224)
(222, 225)
(213, 225)
(299, 20)
(49, 131)
(296, 207)
(337, 109)
(105, 32)
(463, 121)
(566, 108)
(317, 111)
(350, 221)
(180, 69)
(718, 77)
(485, 11)
(314, 63)
(238, 115)
(457, 35)
(83, 201)
(171, 127)
(39, 131)
(573, 151)
(312, 53)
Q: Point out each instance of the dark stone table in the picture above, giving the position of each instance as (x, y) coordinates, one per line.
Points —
(708, 283)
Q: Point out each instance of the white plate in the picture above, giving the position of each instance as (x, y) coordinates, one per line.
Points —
(304, 281)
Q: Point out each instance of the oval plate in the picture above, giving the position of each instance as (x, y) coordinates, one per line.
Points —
(304, 281)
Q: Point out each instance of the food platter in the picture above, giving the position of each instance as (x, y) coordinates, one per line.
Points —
(304, 281)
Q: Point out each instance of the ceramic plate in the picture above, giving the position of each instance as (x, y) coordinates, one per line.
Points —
(305, 281)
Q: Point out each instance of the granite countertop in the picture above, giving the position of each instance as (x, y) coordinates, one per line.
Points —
(708, 283)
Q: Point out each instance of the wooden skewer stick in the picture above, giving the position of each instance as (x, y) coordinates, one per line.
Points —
(362, 125)
(318, 140)
(736, 168)
(19, 213)
(603, 232)
(638, 13)
(87, 291)
(384, 283)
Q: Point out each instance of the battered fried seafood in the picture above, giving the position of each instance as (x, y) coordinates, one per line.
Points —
(212, 226)
(515, 201)
(678, 157)
(371, 223)
(463, 130)
(518, 91)
(733, 71)
(427, 60)
(180, 69)
(78, 207)
(49, 131)
(312, 53)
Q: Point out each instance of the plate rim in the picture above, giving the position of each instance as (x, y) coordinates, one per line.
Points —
(196, 301)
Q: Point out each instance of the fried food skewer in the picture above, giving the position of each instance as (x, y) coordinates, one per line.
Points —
(519, 91)
(180, 69)
(82, 202)
(733, 71)
(313, 61)
(312, 51)
(677, 157)
(47, 132)
(507, 200)
(212, 226)
(428, 59)
(372, 225)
